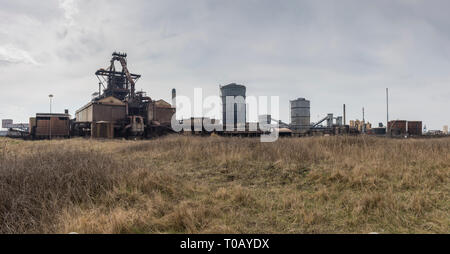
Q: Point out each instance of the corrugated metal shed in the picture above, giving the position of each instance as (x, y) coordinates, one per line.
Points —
(107, 109)
(397, 127)
(415, 128)
(54, 125)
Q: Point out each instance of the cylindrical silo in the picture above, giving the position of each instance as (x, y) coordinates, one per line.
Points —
(233, 105)
(339, 121)
(300, 114)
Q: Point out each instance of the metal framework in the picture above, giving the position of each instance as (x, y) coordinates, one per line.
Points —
(120, 84)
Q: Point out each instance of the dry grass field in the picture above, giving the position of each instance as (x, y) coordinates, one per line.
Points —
(183, 184)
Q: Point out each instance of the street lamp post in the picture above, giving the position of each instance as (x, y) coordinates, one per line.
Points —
(50, 121)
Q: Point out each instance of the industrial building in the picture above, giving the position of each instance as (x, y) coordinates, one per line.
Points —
(46, 125)
(333, 126)
(414, 128)
(397, 127)
(361, 126)
(234, 107)
(380, 130)
(404, 127)
(16, 130)
(108, 109)
(120, 111)
(9, 124)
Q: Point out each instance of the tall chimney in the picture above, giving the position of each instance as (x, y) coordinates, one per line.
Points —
(345, 117)
(174, 100)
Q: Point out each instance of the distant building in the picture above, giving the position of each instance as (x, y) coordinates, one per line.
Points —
(6, 123)
(377, 131)
(398, 127)
(3, 133)
(9, 124)
(435, 132)
(234, 107)
(446, 129)
(403, 127)
(415, 128)
(357, 124)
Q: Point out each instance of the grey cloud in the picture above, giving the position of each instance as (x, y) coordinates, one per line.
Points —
(332, 52)
(12, 55)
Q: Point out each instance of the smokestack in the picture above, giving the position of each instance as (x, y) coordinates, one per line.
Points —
(174, 98)
(174, 101)
(345, 117)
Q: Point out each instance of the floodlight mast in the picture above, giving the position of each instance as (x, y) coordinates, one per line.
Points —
(50, 96)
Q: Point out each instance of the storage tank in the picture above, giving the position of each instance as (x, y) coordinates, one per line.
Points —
(234, 114)
(300, 114)
(339, 121)
(330, 120)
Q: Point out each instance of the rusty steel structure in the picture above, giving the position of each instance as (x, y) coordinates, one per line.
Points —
(120, 111)
(119, 84)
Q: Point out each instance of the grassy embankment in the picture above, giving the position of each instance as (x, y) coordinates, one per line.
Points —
(225, 185)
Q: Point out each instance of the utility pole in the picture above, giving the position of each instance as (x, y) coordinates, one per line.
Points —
(387, 111)
(50, 121)
(345, 117)
(364, 122)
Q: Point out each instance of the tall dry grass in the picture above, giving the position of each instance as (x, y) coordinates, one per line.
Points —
(183, 184)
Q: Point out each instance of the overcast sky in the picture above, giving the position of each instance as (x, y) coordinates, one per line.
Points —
(330, 52)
